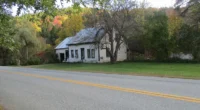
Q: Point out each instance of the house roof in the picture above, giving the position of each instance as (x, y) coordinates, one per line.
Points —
(64, 43)
(89, 35)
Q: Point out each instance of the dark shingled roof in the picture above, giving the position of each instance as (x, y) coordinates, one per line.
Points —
(89, 35)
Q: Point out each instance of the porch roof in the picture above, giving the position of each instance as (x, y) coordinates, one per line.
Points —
(64, 43)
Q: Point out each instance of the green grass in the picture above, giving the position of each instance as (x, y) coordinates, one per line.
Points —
(178, 70)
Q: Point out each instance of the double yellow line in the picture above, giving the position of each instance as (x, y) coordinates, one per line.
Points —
(156, 94)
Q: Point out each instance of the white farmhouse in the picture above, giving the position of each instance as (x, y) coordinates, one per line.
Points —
(89, 46)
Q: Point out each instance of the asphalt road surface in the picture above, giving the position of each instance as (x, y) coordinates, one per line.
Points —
(39, 89)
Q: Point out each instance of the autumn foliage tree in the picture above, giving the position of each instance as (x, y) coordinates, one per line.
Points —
(58, 20)
(72, 25)
(175, 23)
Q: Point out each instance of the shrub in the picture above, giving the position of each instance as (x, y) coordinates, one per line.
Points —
(48, 56)
(34, 61)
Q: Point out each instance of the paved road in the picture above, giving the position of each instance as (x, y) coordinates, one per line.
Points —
(38, 89)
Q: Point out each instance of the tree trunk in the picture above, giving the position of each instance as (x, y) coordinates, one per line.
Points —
(114, 53)
(112, 60)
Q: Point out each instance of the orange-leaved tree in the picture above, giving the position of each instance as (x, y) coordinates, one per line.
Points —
(72, 25)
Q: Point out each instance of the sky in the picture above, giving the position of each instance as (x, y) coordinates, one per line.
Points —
(161, 3)
(152, 3)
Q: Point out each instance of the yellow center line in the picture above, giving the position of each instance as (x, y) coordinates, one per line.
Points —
(156, 94)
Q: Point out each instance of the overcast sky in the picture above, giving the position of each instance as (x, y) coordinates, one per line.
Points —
(161, 3)
(152, 3)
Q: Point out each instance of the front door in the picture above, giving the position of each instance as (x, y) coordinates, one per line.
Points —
(82, 53)
(62, 57)
(66, 54)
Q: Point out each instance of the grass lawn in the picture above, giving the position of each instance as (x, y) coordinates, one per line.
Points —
(178, 70)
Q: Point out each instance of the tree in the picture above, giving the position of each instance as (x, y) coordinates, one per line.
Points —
(190, 12)
(7, 43)
(27, 38)
(38, 5)
(49, 31)
(70, 27)
(189, 35)
(24, 34)
(35, 19)
(156, 37)
(175, 23)
(117, 16)
(58, 20)
(91, 17)
(189, 41)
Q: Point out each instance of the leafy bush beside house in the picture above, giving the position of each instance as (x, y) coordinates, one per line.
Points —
(34, 61)
(48, 56)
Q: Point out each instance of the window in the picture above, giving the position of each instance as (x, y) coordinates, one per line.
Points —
(107, 53)
(82, 53)
(93, 53)
(76, 53)
(72, 53)
(88, 53)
